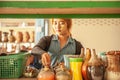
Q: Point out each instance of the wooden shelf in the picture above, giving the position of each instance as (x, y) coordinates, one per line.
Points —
(59, 10)
(21, 79)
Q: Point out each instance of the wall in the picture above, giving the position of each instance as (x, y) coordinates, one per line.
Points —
(99, 33)
(17, 24)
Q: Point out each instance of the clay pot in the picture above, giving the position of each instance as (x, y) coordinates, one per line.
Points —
(62, 73)
(19, 37)
(11, 37)
(26, 36)
(46, 74)
(85, 64)
(82, 55)
(113, 68)
(96, 68)
(5, 37)
(31, 36)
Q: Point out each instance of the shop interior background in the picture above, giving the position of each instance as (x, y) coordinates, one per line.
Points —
(99, 33)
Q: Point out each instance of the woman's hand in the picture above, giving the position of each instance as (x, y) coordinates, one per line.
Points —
(46, 59)
(29, 60)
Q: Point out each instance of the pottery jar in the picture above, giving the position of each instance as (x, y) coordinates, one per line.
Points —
(19, 37)
(62, 73)
(5, 37)
(26, 36)
(32, 33)
(96, 68)
(85, 63)
(113, 68)
(11, 37)
(46, 74)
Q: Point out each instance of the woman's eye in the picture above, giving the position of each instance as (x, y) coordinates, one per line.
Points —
(62, 23)
(55, 23)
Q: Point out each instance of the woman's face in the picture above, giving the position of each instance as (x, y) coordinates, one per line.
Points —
(60, 26)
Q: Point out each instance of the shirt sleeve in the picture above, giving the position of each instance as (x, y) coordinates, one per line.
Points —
(41, 46)
(78, 47)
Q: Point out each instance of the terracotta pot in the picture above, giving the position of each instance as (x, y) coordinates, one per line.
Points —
(46, 74)
(113, 68)
(26, 36)
(85, 64)
(19, 37)
(31, 36)
(62, 73)
(96, 68)
(5, 37)
(11, 37)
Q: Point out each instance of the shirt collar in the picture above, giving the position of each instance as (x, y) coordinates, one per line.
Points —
(55, 37)
(70, 39)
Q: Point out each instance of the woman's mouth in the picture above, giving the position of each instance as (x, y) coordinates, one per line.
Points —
(58, 30)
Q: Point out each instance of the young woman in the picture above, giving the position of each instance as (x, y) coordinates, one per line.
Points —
(50, 49)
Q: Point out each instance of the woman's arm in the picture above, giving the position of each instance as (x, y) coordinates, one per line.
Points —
(40, 50)
(42, 46)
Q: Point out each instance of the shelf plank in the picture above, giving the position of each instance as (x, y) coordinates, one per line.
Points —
(21, 79)
(59, 10)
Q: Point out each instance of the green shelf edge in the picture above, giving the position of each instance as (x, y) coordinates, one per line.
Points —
(60, 4)
(59, 15)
